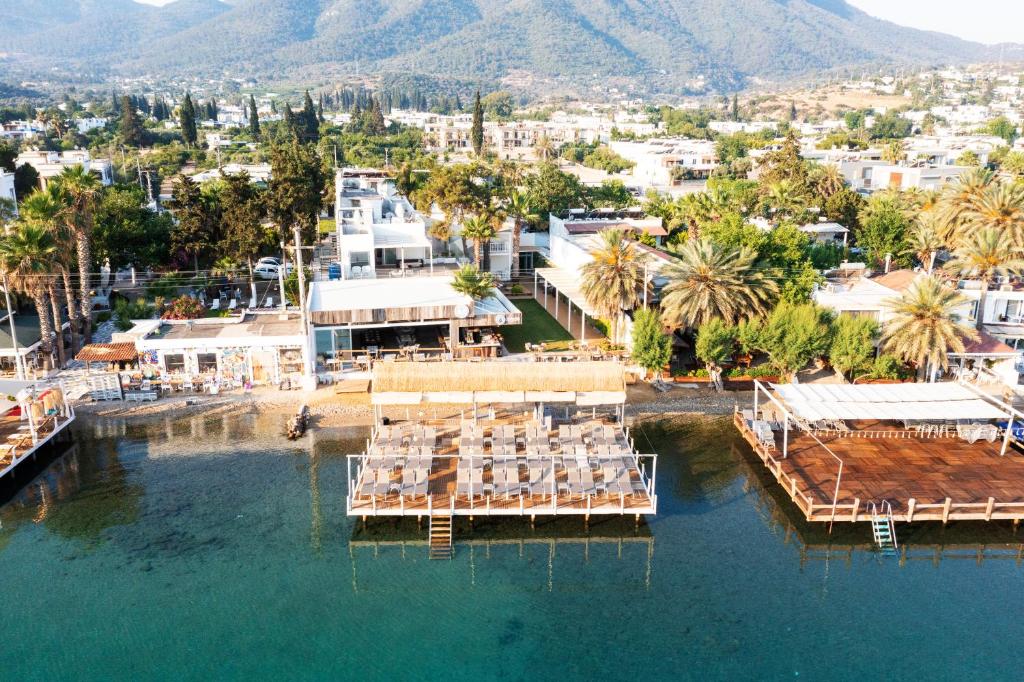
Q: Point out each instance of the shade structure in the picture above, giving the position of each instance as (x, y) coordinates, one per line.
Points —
(886, 401)
(499, 397)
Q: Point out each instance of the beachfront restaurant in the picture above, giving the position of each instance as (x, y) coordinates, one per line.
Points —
(226, 353)
(35, 413)
(25, 349)
(500, 439)
(940, 451)
(354, 322)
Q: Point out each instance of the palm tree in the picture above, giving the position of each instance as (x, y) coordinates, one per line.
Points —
(924, 325)
(827, 179)
(611, 281)
(709, 282)
(473, 283)
(518, 208)
(82, 189)
(959, 198)
(46, 208)
(987, 253)
(479, 229)
(925, 238)
(25, 256)
(543, 147)
(895, 152)
(1001, 206)
(786, 198)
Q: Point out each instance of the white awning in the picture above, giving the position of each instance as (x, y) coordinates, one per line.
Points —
(568, 284)
(886, 401)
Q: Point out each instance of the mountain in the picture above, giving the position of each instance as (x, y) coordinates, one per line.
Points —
(666, 45)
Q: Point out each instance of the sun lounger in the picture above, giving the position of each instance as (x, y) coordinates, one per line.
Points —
(216, 304)
(383, 482)
(232, 304)
(367, 483)
(270, 302)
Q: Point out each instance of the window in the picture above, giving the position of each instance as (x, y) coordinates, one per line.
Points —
(359, 258)
(207, 362)
(174, 363)
(974, 311)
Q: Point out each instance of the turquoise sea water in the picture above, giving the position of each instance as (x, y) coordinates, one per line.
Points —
(214, 549)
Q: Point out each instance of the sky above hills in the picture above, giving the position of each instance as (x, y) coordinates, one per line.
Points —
(984, 21)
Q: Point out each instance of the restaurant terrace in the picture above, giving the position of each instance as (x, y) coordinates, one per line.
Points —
(894, 452)
(499, 438)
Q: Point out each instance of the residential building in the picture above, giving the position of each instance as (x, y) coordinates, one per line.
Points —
(258, 172)
(51, 164)
(7, 188)
(85, 125)
(665, 162)
(825, 232)
(377, 229)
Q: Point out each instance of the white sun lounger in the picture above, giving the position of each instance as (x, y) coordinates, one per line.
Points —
(383, 482)
(232, 304)
(216, 304)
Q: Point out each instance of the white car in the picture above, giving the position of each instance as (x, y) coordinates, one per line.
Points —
(269, 260)
(266, 271)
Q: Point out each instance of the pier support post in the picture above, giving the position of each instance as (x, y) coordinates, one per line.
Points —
(856, 508)
(945, 511)
(911, 503)
(988, 509)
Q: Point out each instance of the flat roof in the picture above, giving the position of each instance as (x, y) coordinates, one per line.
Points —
(397, 292)
(253, 326)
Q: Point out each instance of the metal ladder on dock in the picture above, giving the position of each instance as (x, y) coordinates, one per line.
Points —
(441, 537)
(883, 528)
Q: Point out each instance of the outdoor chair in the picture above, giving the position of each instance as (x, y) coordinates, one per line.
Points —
(216, 304)
(232, 304)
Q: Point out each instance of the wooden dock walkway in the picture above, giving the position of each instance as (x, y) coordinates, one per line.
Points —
(924, 478)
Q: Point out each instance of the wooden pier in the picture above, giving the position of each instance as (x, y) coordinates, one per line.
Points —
(925, 478)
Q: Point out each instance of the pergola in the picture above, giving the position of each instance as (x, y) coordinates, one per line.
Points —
(384, 238)
(917, 402)
(566, 283)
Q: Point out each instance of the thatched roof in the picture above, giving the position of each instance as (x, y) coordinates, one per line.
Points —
(437, 377)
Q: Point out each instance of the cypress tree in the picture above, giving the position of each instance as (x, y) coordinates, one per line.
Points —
(309, 123)
(273, 107)
(735, 107)
(254, 119)
(132, 131)
(213, 109)
(477, 132)
(377, 123)
(187, 120)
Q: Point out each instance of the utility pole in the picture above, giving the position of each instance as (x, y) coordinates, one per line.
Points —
(19, 364)
(307, 357)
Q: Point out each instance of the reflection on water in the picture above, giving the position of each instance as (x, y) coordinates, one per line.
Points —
(212, 548)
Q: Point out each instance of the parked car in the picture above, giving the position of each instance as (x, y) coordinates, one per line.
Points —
(269, 260)
(266, 271)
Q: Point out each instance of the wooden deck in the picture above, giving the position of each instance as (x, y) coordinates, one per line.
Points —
(500, 497)
(924, 478)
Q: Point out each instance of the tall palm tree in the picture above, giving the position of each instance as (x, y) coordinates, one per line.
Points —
(611, 281)
(544, 147)
(82, 189)
(518, 208)
(1001, 206)
(25, 255)
(985, 254)
(46, 208)
(924, 326)
(895, 152)
(925, 238)
(479, 229)
(709, 282)
(786, 198)
(959, 198)
(827, 179)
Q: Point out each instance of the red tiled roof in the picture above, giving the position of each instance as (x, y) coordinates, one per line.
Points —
(897, 280)
(987, 345)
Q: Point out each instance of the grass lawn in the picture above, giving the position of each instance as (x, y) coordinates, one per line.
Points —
(327, 225)
(538, 325)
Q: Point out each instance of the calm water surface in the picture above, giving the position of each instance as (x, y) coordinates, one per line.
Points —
(214, 549)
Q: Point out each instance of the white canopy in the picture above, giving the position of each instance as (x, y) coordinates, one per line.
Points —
(886, 401)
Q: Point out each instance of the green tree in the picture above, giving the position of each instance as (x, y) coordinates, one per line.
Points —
(132, 132)
(193, 231)
(187, 121)
(457, 190)
(716, 343)
(710, 282)
(611, 280)
(549, 190)
(793, 335)
(853, 345)
(480, 230)
(242, 213)
(499, 104)
(309, 129)
(469, 281)
(1002, 127)
(294, 193)
(477, 130)
(518, 208)
(925, 327)
(883, 228)
(81, 190)
(254, 119)
(127, 232)
(890, 126)
(25, 256)
(652, 348)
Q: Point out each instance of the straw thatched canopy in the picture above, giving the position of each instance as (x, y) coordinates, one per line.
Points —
(490, 382)
(108, 352)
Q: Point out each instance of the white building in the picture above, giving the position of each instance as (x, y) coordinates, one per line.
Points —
(258, 172)
(665, 162)
(7, 187)
(825, 232)
(377, 229)
(51, 164)
(84, 125)
(1000, 343)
